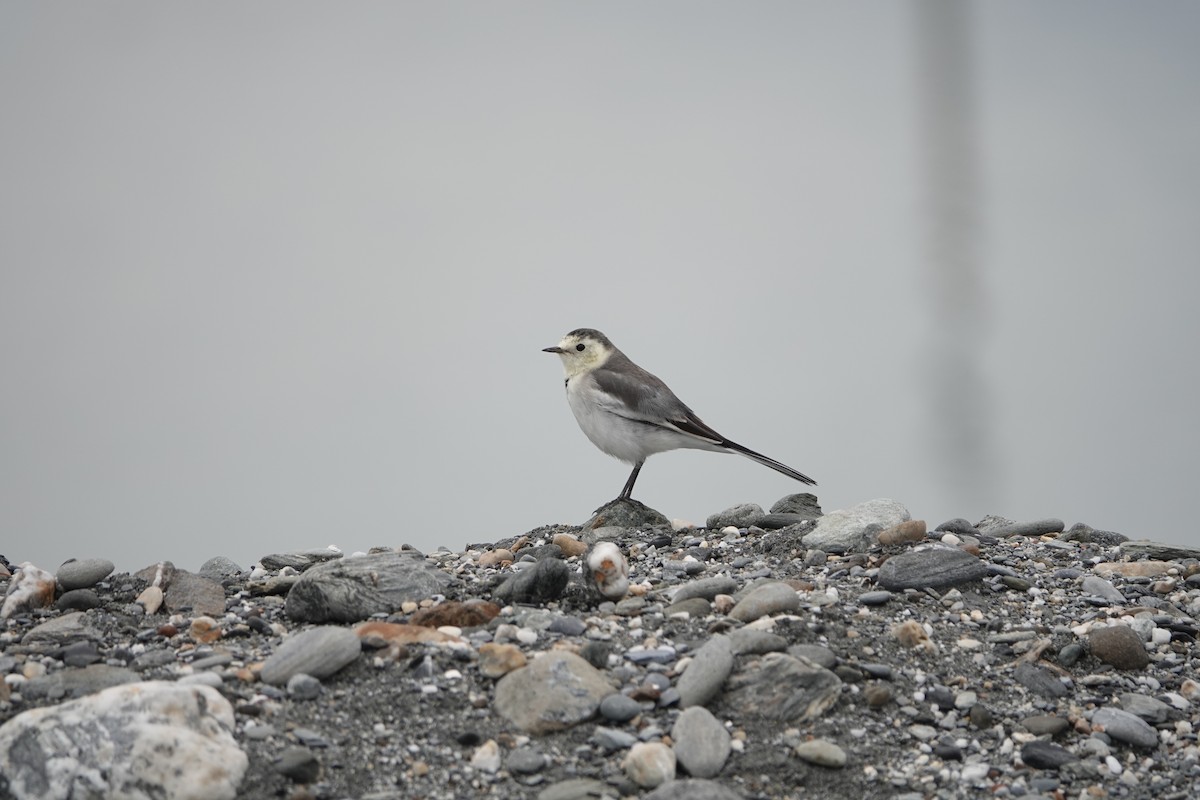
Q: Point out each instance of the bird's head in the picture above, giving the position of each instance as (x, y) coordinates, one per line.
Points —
(582, 350)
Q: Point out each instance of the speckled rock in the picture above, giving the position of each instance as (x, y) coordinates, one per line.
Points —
(553, 692)
(855, 529)
(1118, 645)
(143, 740)
(351, 589)
(931, 567)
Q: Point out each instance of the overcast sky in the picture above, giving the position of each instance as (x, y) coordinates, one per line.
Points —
(277, 275)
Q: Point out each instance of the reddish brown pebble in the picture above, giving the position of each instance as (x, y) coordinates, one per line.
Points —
(912, 530)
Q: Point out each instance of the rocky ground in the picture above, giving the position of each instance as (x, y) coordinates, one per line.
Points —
(769, 654)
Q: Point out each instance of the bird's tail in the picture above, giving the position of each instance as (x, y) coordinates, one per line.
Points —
(769, 462)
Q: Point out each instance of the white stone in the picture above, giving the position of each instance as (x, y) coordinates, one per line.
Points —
(139, 740)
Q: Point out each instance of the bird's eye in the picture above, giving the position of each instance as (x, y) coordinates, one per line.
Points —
(579, 347)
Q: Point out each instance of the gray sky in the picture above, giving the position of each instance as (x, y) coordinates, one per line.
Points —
(277, 275)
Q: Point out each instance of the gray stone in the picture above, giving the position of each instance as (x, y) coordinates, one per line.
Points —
(319, 652)
(1118, 645)
(625, 514)
(748, 641)
(303, 686)
(740, 516)
(218, 568)
(930, 567)
(855, 529)
(818, 654)
(1148, 708)
(355, 588)
(1035, 528)
(1045, 724)
(298, 764)
(70, 627)
(612, 739)
(543, 582)
(773, 522)
(192, 593)
(77, 600)
(781, 687)
(83, 573)
(701, 742)
(1125, 727)
(553, 692)
(77, 682)
(1157, 551)
(575, 789)
(876, 598)
(619, 708)
(299, 561)
(708, 588)
(693, 607)
(693, 789)
(802, 503)
(1041, 754)
(706, 672)
(1094, 585)
(525, 761)
(769, 598)
(145, 740)
(1086, 534)
(958, 525)
(821, 752)
(1040, 681)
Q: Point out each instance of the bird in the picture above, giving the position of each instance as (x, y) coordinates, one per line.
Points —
(631, 414)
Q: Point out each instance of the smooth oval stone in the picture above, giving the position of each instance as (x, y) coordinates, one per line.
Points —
(619, 708)
(702, 745)
(876, 598)
(770, 598)
(708, 588)
(77, 600)
(1125, 727)
(1118, 645)
(822, 753)
(930, 568)
(1041, 754)
(83, 573)
(319, 652)
(706, 672)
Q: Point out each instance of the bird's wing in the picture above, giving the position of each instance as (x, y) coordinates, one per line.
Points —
(636, 394)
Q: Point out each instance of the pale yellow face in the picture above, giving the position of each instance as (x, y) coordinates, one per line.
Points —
(581, 353)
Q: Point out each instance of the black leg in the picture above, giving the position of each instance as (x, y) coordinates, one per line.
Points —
(628, 490)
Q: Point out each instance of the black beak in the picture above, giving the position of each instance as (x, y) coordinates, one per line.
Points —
(555, 349)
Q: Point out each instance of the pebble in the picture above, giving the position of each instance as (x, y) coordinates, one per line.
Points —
(707, 588)
(83, 573)
(299, 764)
(1041, 754)
(770, 598)
(1040, 681)
(740, 516)
(1118, 645)
(706, 672)
(781, 687)
(907, 532)
(822, 753)
(1102, 588)
(319, 652)
(650, 764)
(194, 594)
(77, 600)
(351, 589)
(544, 582)
(555, 691)
(930, 567)
(497, 660)
(876, 598)
(701, 743)
(618, 707)
(1125, 727)
(1036, 528)
(1150, 709)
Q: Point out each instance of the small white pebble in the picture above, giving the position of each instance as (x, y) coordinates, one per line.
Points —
(969, 644)
(730, 530)
(526, 636)
(681, 524)
(1113, 765)
(951, 539)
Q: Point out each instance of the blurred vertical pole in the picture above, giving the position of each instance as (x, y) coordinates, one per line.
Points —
(960, 426)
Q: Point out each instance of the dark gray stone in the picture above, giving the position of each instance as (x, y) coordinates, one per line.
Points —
(930, 567)
(619, 708)
(773, 522)
(1040, 681)
(298, 764)
(818, 654)
(77, 600)
(625, 514)
(803, 503)
(192, 593)
(1158, 551)
(1041, 754)
(958, 525)
(780, 687)
(701, 743)
(355, 588)
(525, 761)
(541, 583)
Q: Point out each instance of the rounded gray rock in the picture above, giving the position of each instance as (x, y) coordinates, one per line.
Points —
(619, 708)
(351, 589)
(319, 652)
(707, 671)
(554, 691)
(83, 573)
(1118, 645)
(693, 789)
(740, 516)
(1125, 727)
(708, 588)
(701, 743)
(770, 598)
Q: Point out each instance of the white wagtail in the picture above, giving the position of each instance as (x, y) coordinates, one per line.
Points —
(631, 414)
